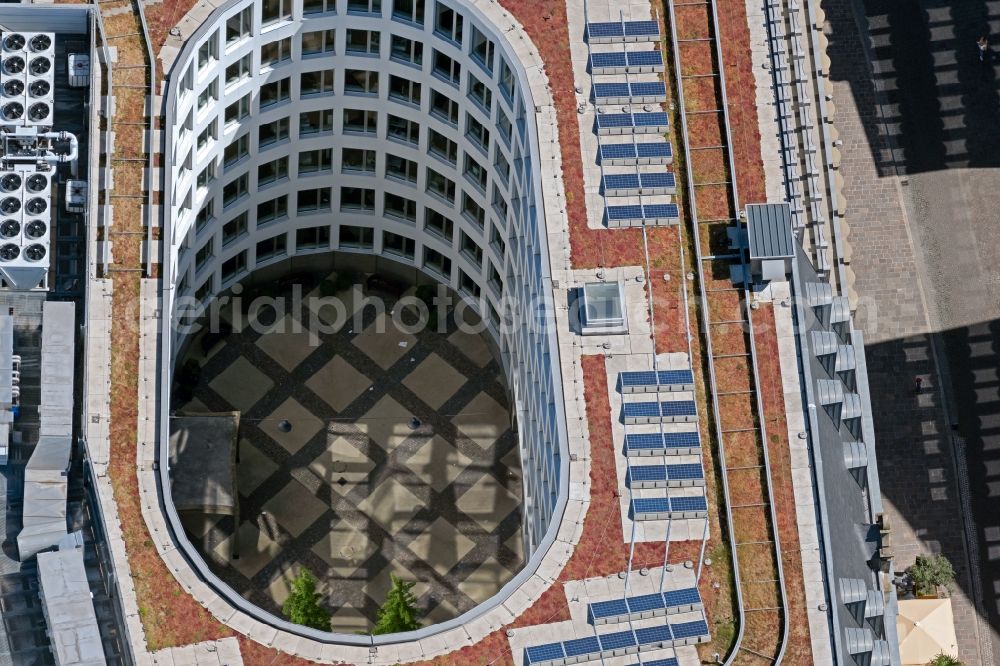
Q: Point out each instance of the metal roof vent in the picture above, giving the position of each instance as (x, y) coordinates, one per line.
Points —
(855, 455)
(10, 182)
(824, 342)
(13, 110)
(829, 392)
(13, 65)
(9, 252)
(35, 229)
(10, 205)
(874, 604)
(36, 182)
(39, 88)
(39, 111)
(818, 294)
(40, 42)
(846, 359)
(841, 311)
(9, 228)
(859, 640)
(34, 252)
(852, 406)
(852, 590)
(14, 41)
(13, 88)
(41, 65)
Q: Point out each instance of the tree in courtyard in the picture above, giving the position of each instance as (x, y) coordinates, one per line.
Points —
(944, 660)
(302, 605)
(929, 572)
(399, 612)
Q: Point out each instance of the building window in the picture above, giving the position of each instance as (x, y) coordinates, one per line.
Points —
(315, 83)
(400, 168)
(475, 131)
(360, 237)
(312, 237)
(473, 211)
(276, 52)
(441, 186)
(315, 161)
(312, 122)
(438, 224)
(205, 215)
(476, 173)
(272, 132)
(404, 90)
(444, 107)
(208, 96)
(205, 252)
(235, 190)
(480, 94)
(401, 129)
(207, 53)
(319, 7)
(234, 265)
(204, 290)
(400, 207)
(481, 50)
(270, 172)
(411, 11)
(364, 6)
(467, 284)
(275, 92)
(501, 167)
(239, 25)
(236, 151)
(360, 122)
(363, 42)
(356, 160)
(238, 110)
(497, 241)
(398, 245)
(441, 146)
(239, 69)
(447, 22)
(471, 249)
(271, 247)
(314, 199)
(437, 262)
(360, 82)
(506, 81)
(206, 136)
(206, 175)
(494, 279)
(318, 41)
(504, 126)
(234, 229)
(499, 203)
(273, 11)
(272, 209)
(357, 199)
(407, 51)
(447, 68)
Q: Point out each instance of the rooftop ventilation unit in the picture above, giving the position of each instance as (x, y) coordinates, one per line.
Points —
(40, 42)
(10, 205)
(35, 229)
(10, 182)
(10, 228)
(14, 42)
(35, 252)
(36, 182)
(40, 112)
(9, 252)
(36, 206)
(39, 88)
(13, 111)
(40, 65)
(13, 88)
(13, 64)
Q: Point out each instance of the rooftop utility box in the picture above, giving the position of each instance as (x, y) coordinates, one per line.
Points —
(602, 311)
(78, 70)
(770, 240)
(76, 196)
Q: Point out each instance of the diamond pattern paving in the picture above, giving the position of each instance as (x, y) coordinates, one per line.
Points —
(368, 454)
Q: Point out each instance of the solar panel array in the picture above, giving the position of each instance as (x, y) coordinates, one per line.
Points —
(667, 508)
(652, 381)
(651, 92)
(674, 411)
(636, 154)
(626, 184)
(644, 606)
(604, 646)
(666, 476)
(632, 123)
(636, 214)
(623, 31)
(662, 443)
(626, 62)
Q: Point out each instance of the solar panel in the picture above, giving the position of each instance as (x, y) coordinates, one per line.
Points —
(690, 629)
(652, 211)
(648, 473)
(630, 212)
(614, 120)
(642, 378)
(647, 635)
(651, 505)
(542, 653)
(628, 181)
(646, 409)
(676, 376)
(669, 661)
(581, 646)
(657, 180)
(605, 30)
(644, 441)
(617, 640)
(618, 151)
(678, 408)
(642, 29)
(645, 58)
(646, 119)
(645, 602)
(611, 90)
(688, 504)
(608, 608)
(689, 471)
(684, 597)
(653, 149)
(681, 439)
(648, 89)
(612, 60)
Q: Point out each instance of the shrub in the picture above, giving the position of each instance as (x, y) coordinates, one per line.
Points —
(930, 572)
(944, 660)
(302, 605)
(399, 612)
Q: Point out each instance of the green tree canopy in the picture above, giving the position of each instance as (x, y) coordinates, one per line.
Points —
(929, 572)
(399, 612)
(302, 605)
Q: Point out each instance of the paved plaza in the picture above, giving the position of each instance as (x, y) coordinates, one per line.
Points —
(355, 489)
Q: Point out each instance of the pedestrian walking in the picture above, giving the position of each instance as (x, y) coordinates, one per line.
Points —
(918, 383)
(983, 44)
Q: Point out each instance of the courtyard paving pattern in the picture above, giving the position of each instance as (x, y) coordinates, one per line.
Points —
(353, 491)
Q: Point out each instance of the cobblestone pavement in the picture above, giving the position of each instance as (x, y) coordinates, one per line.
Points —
(917, 261)
(353, 490)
